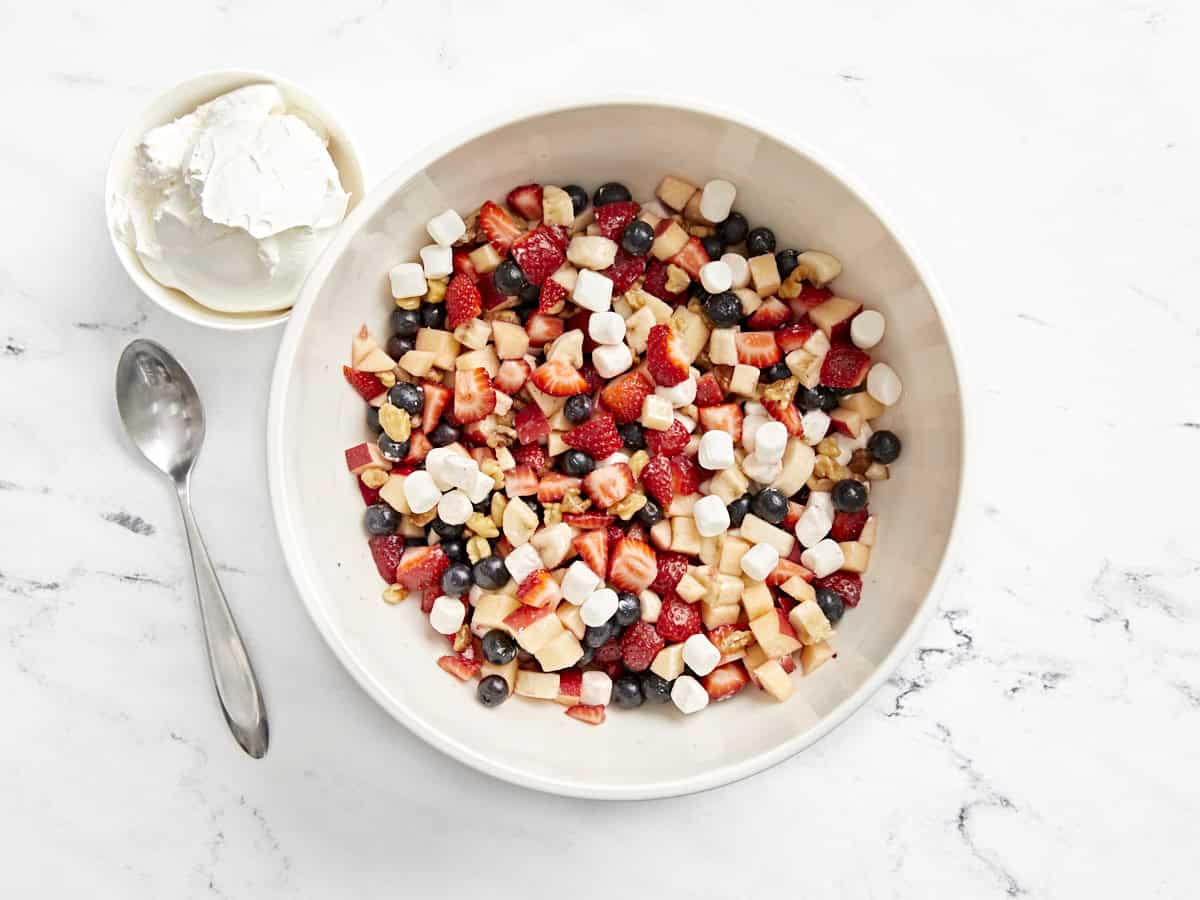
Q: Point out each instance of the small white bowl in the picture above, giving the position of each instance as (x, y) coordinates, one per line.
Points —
(178, 101)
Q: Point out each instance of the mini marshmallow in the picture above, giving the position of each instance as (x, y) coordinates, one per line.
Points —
(824, 558)
(760, 561)
(437, 261)
(523, 562)
(884, 384)
(846, 447)
(762, 472)
(686, 421)
(688, 695)
(716, 277)
(813, 525)
(459, 471)
(435, 465)
(579, 582)
(447, 614)
(770, 442)
(408, 280)
(716, 200)
(866, 329)
(750, 426)
(754, 408)
(700, 654)
(822, 500)
(455, 508)
(716, 450)
(446, 228)
(711, 515)
(606, 328)
(593, 291)
(739, 270)
(681, 394)
(481, 485)
(599, 607)
(420, 492)
(595, 689)
(611, 360)
(816, 425)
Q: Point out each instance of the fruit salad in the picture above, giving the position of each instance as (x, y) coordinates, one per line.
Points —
(622, 452)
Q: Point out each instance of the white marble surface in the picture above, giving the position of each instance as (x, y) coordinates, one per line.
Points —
(1041, 742)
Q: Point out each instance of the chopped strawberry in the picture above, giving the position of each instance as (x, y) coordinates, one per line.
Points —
(727, 417)
(656, 478)
(608, 484)
(520, 481)
(624, 396)
(844, 366)
(592, 547)
(625, 270)
(525, 615)
(848, 526)
(730, 640)
(512, 375)
(526, 201)
(386, 550)
(664, 356)
(594, 381)
(597, 436)
(691, 258)
(499, 227)
(656, 282)
(785, 412)
(368, 386)
(725, 681)
(611, 218)
(587, 520)
(482, 432)
(592, 715)
(463, 302)
(678, 620)
(370, 495)
(639, 645)
(685, 476)
(554, 486)
(771, 315)
(570, 682)
(532, 455)
(418, 448)
(493, 300)
(539, 589)
(757, 348)
(669, 442)
(846, 584)
(709, 391)
(614, 533)
(608, 652)
(427, 599)
(581, 321)
(542, 329)
(812, 297)
(539, 254)
(633, 565)
(785, 569)
(795, 511)
(437, 398)
(463, 264)
(531, 424)
(552, 297)
(637, 531)
(785, 627)
(459, 666)
(422, 567)
(786, 603)
(474, 396)
(670, 568)
(559, 379)
(794, 337)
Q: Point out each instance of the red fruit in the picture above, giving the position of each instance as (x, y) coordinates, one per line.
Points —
(669, 442)
(614, 533)
(725, 681)
(499, 227)
(656, 478)
(531, 424)
(847, 584)
(591, 376)
(588, 521)
(685, 476)
(539, 589)
(474, 396)
(386, 550)
(844, 366)
(592, 715)
(526, 201)
(539, 254)
(723, 638)
(559, 379)
(757, 348)
(639, 645)
(479, 433)
(463, 264)
(570, 682)
(418, 448)
(608, 652)
(788, 568)
(670, 568)
(708, 391)
(691, 258)
(512, 375)
(524, 616)
(552, 297)
(794, 337)
(637, 531)
(597, 437)
(726, 417)
(608, 485)
(664, 356)
(592, 547)
(520, 481)
(795, 510)
(848, 526)
(463, 301)
(368, 386)
(656, 282)
(624, 397)
(633, 564)
(678, 619)
(554, 486)
(611, 218)
(532, 455)
(421, 567)
(459, 666)
(625, 270)
(492, 298)
(812, 297)
(365, 456)
(580, 322)
(370, 495)
(787, 413)
(771, 315)
(542, 329)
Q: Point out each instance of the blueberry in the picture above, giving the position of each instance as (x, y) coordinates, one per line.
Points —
(508, 278)
(579, 198)
(490, 572)
(577, 463)
(733, 230)
(445, 530)
(831, 604)
(456, 580)
(455, 549)
(397, 346)
(588, 653)
(827, 398)
(416, 541)
(433, 315)
(776, 372)
(393, 451)
(529, 295)
(633, 436)
(655, 688)
(770, 505)
(444, 434)
(724, 309)
(737, 510)
(801, 496)
(373, 419)
(629, 608)
(598, 635)
(884, 446)
(712, 246)
(381, 519)
(627, 692)
(578, 408)
(808, 399)
(484, 506)
(849, 496)
(637, 237)
(499, 647)
(492, 691)
(650, 514)
(786, 261)
(611, 192)
(408, 397)
(405, 322)
(760, 240)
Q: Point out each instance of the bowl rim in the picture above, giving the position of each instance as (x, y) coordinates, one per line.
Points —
(174, 301)
(470, 755)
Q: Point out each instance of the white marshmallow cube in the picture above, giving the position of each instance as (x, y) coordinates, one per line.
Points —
(822, 500)
(606, 328)
(813, 525)
(760, 561)
(446, 228)
(816, 425)
(593, 291)
(770, 442)
(523, 562)
(408, 280)
(595, 689)
(700, 654)
(739, 270)
(599, 607)
(611, 360)
(617, 456)
(760, 471)
(750, 426)
(459, 471)
(716, 277)
(866, 329)
(437, 261)
(455, 508)
(447, 614)
(716, 200)
(711, 515)
(688, 695)
(824, 558)
(481, 485)
(681, 394)
(420, 492)
(884, 384)
(579, 582)
(716, 450)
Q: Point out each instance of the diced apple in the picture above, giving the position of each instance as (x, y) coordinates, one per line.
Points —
(534, 627)
(484, 258)
(710, 551)
(690, 588)
(756, 531)
(722, 347)
(870, 532)
(675, 192)
(732, 550)
(512, 341)
(417, 362)
(572, 618)
(479, 359)
(750, 301)
(744, 380)
(726, 590)
(556, 444)
(670, 242)
(684, 536)
(392, 493)
(757, 599)
(507, 671)
(846, 421)
(365, 456)
(441, 344)
(729, 484)
(799, 588)
(716, 616)
(857, 556)
(764, 274)
(660, 535)
(561, 652)
(774, 634)
(491, 611)
(864, 404)
(376, 361)
(537, 685)
(549, 405)
(772, 678)
(668, 663)
(474, 333)
(814, 656)
(682, 505)
(833, 312)
(810, 623)
(658, 307)
(692, 331)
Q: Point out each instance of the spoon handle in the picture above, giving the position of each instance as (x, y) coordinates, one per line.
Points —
(233, 676)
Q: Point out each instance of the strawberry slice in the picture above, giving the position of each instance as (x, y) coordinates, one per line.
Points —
(539, 589)
(608, 484)
(844, 367)
(499, 227)
(633, 564)
(624, 397)
(726, 417)
(597, 436)
(608, 652)
(520, 481)
(512, 375)
(671, 567)
(709, 391)
(524, 616)
(592, 715)
(474, 396)
(463, 301)
(771, 315)
(459, 666)
(559, 379)
(581, 322)
(785, 412)
(592, 547)
(848, 526)
(418, 448)
(678, 620)
(614, 533)
(691, 258)
(463, 264)
(386, 550)
(554, 486)
(588, 521)
(639, 645)
(493, 300)
(611, 218)
(757, 348)
(730, 640)
(665, 358)
(685, 476)
(437, 398)
(591, 376)
(669, 442)
(542, 329)
(625, 270)
(786, 569)
(812, 297)
(725, 681)
(531, 424)
(795, 336)
(656, 478)
(526, 201)
(795, 511)
(847, 584)
(656, 282)
(552, 298)
(421, 567)
(368, 386)
(539, 254)
(532, 455)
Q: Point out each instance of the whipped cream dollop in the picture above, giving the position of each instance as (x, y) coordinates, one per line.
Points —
(233, 202)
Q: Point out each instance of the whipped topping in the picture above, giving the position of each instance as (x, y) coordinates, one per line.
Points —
(233, 202)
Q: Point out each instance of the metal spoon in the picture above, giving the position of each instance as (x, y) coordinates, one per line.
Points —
(164, 418)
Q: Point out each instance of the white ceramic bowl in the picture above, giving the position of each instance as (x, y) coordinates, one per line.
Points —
(178, 101)
(652, 752)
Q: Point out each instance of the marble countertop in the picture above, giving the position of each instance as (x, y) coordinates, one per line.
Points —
(1040, 742)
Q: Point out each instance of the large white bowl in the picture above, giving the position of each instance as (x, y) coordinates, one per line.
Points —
(391, 650)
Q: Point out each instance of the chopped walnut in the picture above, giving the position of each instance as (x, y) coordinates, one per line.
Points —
(374, 478)
(436, 290)
(877, 472)
(478, 548)
(701, 231)
(424, 518)
(820, 484)
(408, 302)
(860, 461)
(782, 391)
(394, 593)
(637, 462)
(828, 447)
(574, 502)
(396, 422)
(677, 279)
(793, 285)
(502, 315)
(499, 503)
(551, 513)
(462, 639)
(482, 525)
(387, 379)
(734, 641)
(627, 508)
